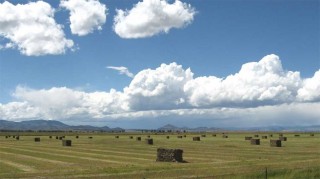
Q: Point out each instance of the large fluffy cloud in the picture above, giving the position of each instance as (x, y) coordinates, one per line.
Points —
(150, 17)
(161, 88)
(85, 15)
(257, 83)
(311, 88)
(64, 102)
(32, 29)
(261, 91)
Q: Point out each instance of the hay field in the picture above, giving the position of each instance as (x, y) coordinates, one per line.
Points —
(105, 156)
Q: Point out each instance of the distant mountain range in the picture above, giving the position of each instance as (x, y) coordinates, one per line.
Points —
(50, 125)
(315, 128)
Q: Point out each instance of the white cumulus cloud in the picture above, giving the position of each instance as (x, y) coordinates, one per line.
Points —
(85, 15)
(257, 83)
(161, 88)
(151, 17)
(260, 93)
(64, 102)
(122, 70)
(311, 88)
(32, 29)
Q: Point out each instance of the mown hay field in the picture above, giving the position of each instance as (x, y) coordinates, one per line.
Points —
(105, 156)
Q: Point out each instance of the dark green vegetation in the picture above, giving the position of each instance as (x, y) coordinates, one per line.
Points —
(105, 156)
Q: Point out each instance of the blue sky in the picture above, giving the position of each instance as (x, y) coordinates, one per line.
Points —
(222, 36)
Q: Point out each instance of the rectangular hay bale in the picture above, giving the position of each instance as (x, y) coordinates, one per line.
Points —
(37, 139)
(169, 155)
(275, 143)
(247, 138)
(149, 141)
(196, 138)
(66, 143)
(255, 141)
(283, 138)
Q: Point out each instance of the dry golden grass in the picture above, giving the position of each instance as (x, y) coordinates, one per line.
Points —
(105, 156)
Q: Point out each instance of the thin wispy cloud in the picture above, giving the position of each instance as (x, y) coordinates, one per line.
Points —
(122, 70)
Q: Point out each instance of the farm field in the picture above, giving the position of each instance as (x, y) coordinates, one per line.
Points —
(105, 156)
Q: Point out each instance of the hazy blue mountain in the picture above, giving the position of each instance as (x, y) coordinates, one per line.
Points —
(168, 127)
(263, 128)
(49, 125)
